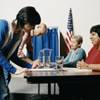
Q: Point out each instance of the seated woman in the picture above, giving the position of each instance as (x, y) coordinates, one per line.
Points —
(93, 59)
(76, 53)
(90, 92)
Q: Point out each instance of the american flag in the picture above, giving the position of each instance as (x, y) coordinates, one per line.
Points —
(69, 32)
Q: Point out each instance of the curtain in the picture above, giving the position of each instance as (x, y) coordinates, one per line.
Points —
(48, 40)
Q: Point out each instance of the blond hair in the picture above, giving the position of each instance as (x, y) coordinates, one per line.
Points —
(78, 38)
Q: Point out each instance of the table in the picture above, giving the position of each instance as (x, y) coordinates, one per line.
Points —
(68, 75)
(53, 76)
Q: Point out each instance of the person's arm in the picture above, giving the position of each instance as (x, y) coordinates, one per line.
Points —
(21, 55)
(66, 59)
(28, 60)
(95, 67)
(80, 54)
(6, 64)
(19, 70)
(24, 41)
(34, 64)
(67, 63)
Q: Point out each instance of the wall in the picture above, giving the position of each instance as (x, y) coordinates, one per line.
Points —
(55, 13)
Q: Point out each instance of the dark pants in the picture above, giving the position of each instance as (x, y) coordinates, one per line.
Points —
(4, 91)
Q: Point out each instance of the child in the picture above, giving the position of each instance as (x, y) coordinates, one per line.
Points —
(76, 53)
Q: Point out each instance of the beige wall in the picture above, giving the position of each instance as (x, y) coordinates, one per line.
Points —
(55, 12)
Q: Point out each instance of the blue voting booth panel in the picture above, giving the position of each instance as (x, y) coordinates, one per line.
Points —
(48, 40)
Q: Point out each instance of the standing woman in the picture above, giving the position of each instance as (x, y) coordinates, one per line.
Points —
(25, 21)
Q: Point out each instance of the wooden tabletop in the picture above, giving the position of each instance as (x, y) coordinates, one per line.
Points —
(57, 75)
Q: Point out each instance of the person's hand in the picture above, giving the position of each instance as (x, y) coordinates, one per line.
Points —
(82, 64)
(36, 63)
(21, 70)
(20, 54)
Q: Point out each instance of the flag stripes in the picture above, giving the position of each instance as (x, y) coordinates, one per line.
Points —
(69, 32)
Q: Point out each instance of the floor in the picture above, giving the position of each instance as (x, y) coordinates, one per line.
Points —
(20, 89)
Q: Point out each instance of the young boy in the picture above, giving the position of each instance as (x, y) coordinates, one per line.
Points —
(76, 53)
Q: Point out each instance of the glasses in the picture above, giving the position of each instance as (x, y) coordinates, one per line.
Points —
(45, 57)
(59, 62)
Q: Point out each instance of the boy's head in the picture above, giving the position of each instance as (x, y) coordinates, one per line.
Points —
(39, 29)
(76, 41)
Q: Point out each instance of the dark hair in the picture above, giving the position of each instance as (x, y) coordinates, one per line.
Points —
(28, 15)
(96, 29)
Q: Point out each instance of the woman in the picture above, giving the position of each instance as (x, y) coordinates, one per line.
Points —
(93, 59)
(25, 21)
(90, 91)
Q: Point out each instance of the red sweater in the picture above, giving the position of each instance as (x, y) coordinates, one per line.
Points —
(93, 56)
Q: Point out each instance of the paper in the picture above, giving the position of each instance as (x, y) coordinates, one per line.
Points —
(64, 69)
(77, 70)
(43, 69)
